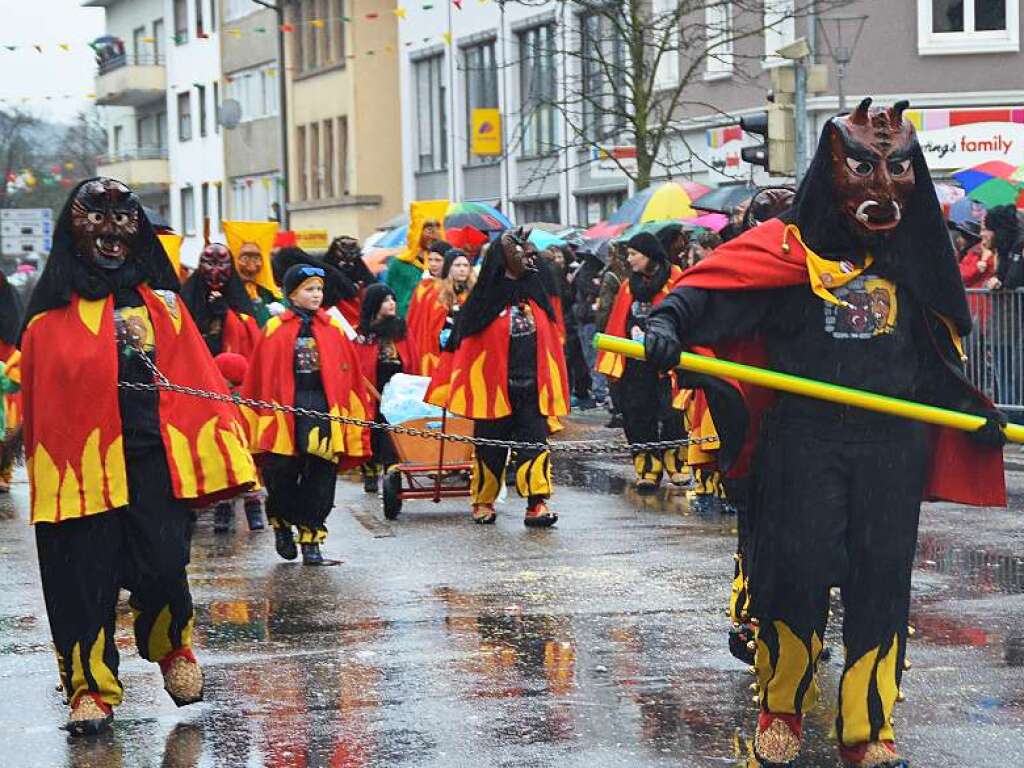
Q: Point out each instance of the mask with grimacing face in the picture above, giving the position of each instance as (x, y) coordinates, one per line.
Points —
(520, 254)
(250, 262)
(105, 218)
(215, 266)
(872, 167)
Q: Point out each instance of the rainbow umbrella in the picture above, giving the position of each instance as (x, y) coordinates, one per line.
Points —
(991, 183)
(656, 203)
(480, 216)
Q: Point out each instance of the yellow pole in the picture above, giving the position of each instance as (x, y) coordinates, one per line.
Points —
(819, 390)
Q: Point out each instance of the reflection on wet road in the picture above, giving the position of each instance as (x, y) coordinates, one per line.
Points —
(439, 643)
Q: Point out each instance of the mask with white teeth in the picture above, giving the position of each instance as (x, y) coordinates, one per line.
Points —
(105, 217)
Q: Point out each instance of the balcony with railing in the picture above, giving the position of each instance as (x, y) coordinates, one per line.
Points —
(142, 168)
(128, 79)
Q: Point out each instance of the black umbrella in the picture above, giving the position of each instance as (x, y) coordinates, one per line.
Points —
(725, 199)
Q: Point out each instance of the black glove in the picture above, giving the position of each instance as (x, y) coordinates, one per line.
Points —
(661, 343)
(991, 432)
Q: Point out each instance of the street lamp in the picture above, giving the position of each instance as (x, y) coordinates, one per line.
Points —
(841, 43)
(278, 8)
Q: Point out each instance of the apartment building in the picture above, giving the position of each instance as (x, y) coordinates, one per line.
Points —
(254, 185)
(958, 63)
(131, 86)
(344, 115)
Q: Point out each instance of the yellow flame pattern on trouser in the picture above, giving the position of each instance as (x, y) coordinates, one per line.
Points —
(674, 460)
(707, 482)
(785, 665)
(533, 467)
(647, 466)
(739, 597)
(300, 493)
(84, 564)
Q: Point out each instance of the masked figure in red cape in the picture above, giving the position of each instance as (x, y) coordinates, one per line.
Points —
(856, 285)
(426, 313)
(503, 366)
(647, 395)
(345, 254)
(217, 299)
(305, 360)
(10, 326)
(114, 472)
(384, 348)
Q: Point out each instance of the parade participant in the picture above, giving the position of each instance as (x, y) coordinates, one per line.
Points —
(457, 281)
(217, 299)
(304, 360)
(646, 394)
(612, 279)
(426, 313)
(856, 285)
(406, 269)
(10, 325)
(113, 471)
(338, 288)
(503, 367)
(250, 243)
(384, 348)
(345, 254)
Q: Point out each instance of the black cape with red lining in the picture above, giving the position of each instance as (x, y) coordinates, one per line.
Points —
(962, 470)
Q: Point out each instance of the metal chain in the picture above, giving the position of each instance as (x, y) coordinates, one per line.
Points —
(561, 446)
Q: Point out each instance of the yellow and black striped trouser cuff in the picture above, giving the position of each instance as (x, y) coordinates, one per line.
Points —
(647, 466)
(311, 535)
(533, 477)
(91, 667)
(485, 483)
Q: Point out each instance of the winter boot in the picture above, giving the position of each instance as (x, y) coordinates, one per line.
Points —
(284, 542)
(311, 554)
(89, 715)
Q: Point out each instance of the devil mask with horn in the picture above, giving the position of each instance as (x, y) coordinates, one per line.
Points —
(872, 166)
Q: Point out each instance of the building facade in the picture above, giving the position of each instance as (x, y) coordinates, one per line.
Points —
(957, 63)
(252, 148)
(344, 118)
(131, 88)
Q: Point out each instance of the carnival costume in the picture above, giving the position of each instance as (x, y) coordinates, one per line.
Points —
(384, 348)
(345, 254)
(304, 360)
(251, 243)
(856, 285)
(114, 472)
(504, 368)
(10, 326)
(217, 299)
(426, 313)
(406, 269)
(647, 395)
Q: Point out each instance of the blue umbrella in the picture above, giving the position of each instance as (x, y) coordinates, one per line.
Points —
(965, 209)
(396, 238)
(543, 239)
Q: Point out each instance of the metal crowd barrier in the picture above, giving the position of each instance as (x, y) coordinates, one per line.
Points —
(995, 348)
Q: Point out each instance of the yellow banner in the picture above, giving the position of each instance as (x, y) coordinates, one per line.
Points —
(311, 238)
(486, 124)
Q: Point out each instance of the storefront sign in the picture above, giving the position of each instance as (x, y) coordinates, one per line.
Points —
(311, 239)
(612, 162)
(486, 124)
(953, 139)
(724, 145)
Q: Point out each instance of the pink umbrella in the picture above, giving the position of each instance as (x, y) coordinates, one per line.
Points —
(716, 222)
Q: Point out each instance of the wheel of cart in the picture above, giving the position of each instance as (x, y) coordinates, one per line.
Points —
(427, 468)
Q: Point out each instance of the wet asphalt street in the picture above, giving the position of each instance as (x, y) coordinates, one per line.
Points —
(440, 643)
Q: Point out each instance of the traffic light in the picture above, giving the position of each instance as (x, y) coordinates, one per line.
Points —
(776, 127)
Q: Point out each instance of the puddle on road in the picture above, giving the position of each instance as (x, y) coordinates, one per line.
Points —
(978, 570)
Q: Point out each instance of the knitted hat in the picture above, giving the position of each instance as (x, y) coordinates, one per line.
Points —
(648, 245)
(298, 275)
(449, 259)
(373, 297)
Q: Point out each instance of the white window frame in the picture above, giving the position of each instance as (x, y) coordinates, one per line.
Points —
(779, 14)
(249, 194)
(931, 43)
(262, 100)
(667, 73)
(721, 64)
(239, 9)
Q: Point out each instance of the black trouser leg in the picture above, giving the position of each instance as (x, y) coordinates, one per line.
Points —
(533, 465)
(640, 401)
(80, 572)
(281, 476)
(314, 497)
(84, 563)
(488, 461)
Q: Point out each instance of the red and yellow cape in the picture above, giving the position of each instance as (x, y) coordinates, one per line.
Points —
(426, 318)
(241, 333)
(472, 381)
(773, 255)
(271, 377)
(10, 356)
(72, 419)
(368, 353)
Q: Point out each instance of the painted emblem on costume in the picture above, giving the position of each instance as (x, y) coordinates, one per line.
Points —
(521, 322)
(307, 356)
(869, 309)
(134, 330)
(170, 300)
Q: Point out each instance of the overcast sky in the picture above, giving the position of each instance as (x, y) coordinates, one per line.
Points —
(26, 72)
